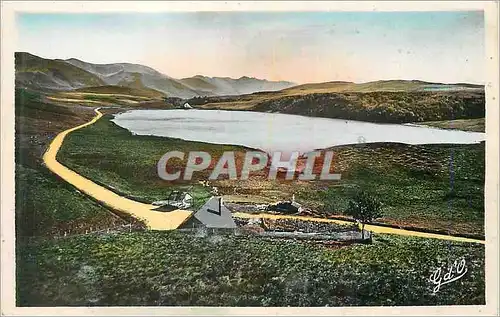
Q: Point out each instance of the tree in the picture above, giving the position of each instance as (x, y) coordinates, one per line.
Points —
(364, 208)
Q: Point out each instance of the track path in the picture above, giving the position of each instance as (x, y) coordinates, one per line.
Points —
(373, 228)
(144, 212)
(171, 220)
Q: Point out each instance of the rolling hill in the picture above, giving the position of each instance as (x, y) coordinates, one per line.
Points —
(396, 101)
(119, 90)
(390, 101)
(46, 74)
(221, 86)
(139, 76)
(110, 96)
(136, 76)
(380, 85)
(56, 74)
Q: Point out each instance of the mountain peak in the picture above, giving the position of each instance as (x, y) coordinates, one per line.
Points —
(72, 59)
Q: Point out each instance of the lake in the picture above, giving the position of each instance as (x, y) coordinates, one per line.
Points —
(279, 132)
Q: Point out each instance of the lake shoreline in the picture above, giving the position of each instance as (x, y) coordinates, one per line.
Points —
(276, 132)
(412, 180)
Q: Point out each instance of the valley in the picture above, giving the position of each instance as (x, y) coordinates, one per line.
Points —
(74, 250)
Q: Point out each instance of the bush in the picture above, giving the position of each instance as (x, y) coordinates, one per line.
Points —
(364, 208)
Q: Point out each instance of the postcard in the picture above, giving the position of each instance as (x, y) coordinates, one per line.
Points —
(249, 158)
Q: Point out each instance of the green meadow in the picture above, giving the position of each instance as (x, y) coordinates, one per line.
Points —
(435, 187)
(174, 269)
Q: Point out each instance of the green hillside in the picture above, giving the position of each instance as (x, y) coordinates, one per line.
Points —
(374, 106)
(380, 85)
(174, 269)
(56, 69)
(121, 90)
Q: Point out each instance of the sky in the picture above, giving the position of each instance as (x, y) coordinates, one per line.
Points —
(302, 47)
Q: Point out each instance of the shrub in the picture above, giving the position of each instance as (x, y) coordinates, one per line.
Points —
(364, 208)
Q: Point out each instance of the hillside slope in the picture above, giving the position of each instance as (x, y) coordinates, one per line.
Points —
(47, 74)
(220, 86)
(395, 101)
(380, 85)
(139, 76)
(136, 76)
(50, 75)
(119, 90)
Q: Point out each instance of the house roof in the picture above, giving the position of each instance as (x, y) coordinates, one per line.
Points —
(213, 214)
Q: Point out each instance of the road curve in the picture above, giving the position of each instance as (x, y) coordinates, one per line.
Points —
(144, 212)
(172, 220)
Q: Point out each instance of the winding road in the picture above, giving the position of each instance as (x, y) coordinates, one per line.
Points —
(152, 219)
(157, 220)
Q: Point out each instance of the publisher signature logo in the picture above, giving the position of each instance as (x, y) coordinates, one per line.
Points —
(456, 271)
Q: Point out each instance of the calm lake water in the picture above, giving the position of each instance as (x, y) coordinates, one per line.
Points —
(279, 132)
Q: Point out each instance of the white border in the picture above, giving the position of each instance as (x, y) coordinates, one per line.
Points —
(7, 149)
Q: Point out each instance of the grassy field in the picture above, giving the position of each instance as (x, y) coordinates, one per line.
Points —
(137, 175)
(112, 96)
(46, 206)
(126, 91)
(172, 269)
(438, 187)
(475, 125)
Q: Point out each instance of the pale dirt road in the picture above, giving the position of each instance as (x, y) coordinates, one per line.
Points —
(144, 212)
(172, 220)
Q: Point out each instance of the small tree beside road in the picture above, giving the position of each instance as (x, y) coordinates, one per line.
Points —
(364, 208)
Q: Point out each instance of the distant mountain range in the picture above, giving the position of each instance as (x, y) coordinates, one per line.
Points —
(63, 75)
